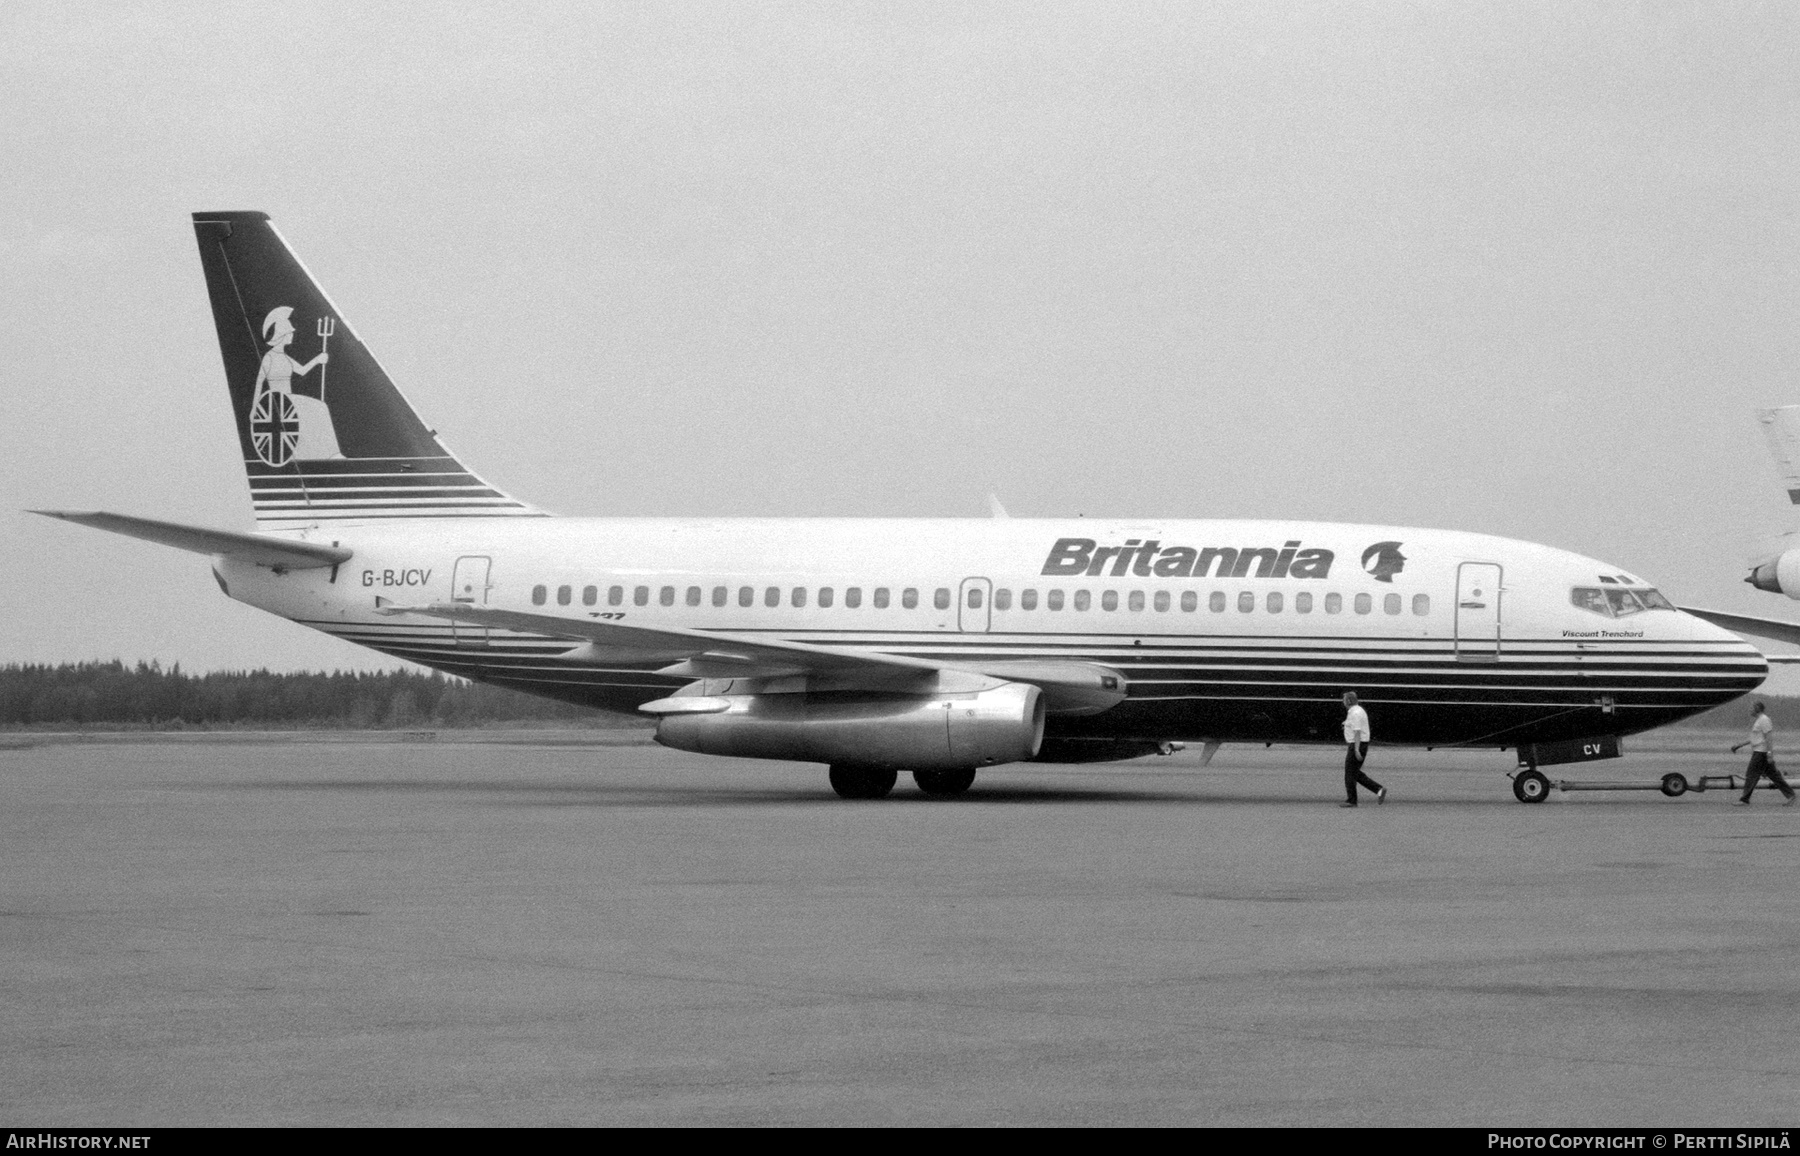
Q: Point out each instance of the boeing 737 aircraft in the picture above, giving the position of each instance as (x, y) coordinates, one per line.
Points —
(932, 646)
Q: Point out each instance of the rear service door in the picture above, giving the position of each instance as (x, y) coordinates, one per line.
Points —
(973, 612)
(1478, 612)
(469, 583)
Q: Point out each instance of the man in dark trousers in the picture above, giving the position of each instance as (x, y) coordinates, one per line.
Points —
(1762, 757)
(1356, 740)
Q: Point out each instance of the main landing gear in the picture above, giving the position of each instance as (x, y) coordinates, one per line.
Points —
(854, 782)
(945, 783)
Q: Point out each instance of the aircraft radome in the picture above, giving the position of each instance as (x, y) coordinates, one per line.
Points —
(934, 646)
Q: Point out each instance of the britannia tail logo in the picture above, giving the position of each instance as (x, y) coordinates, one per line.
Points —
(286, 421)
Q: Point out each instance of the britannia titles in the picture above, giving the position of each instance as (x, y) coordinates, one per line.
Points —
(1072, 556)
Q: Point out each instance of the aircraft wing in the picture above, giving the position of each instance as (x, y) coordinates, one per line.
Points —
(1770, 628)
(1069, 687)
(276, 553)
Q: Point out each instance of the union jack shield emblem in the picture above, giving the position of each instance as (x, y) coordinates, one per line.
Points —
(274, 428)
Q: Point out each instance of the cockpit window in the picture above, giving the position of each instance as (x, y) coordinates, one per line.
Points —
(1590, 598)
(1616, 601)
(1623, 602)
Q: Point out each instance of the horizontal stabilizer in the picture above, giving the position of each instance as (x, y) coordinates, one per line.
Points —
(276, 553)
(1770, 628)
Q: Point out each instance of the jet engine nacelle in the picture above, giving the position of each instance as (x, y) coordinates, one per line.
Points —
(1779, 575)
(1003, 724)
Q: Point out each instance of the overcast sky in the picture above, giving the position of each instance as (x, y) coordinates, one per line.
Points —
(1518, 269)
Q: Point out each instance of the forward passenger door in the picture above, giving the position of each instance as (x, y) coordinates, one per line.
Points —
(1478, 612)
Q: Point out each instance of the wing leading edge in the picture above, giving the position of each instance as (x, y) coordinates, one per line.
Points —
(1068, 687)
(1772, 629)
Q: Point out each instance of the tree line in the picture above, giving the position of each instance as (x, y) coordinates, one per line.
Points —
(114, 694)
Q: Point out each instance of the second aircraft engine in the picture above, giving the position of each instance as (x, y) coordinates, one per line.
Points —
(1779, 575)
(1003, 724)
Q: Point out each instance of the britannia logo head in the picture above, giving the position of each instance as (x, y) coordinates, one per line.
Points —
(1383, 560)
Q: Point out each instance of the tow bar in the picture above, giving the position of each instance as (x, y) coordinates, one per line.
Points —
(1674, 784)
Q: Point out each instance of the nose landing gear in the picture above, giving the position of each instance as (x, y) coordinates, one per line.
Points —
(1531, 786)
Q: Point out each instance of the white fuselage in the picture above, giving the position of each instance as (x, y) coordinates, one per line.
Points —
(1222, 629)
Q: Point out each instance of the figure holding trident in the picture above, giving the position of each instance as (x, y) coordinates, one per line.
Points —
(318, 437)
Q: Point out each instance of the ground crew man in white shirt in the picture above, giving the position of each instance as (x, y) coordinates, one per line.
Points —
(1762, 757)
(1356, 740)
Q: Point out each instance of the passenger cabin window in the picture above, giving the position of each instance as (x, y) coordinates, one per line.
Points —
(1334, 604)
(826, 597)
(909, 598)
(1083, 599)
(1028, 600)
(1003, 600)
(1109, 600)
(666, 596)
(720, 594)
(1421, 604)
(1364, 604)
(881, 597)
(641, 596)
(1190, 601)
(853, 597)
(772, 596)
(746, 596)
(1274, 602)
(1390, 604)
(564, 595)
(1303, 603)
(590, 595)
(941, 598)
(615, 596)
(693, 596)
(1246, 602)
(1161, 601)
(799, 596)
(539, 595)
(1215, 602)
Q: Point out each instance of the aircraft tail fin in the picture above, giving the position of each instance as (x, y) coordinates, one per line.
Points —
(1781, 428)
(325, 434)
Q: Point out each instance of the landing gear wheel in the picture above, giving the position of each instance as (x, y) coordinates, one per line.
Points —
(944, 783)
(1674, 785)
(853, 782)
(1530, 787)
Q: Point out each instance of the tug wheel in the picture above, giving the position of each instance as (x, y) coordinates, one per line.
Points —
(1674, 785)
(1530, 787)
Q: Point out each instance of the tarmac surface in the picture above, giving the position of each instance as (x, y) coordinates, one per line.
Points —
(538, 929)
